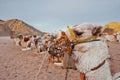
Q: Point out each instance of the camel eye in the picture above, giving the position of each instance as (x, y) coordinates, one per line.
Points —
(78, 33)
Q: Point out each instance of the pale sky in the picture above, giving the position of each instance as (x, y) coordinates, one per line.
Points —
(52, 15)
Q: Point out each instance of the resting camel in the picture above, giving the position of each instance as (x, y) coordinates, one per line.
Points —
(89, 54)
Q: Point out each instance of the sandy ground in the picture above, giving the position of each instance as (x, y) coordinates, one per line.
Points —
(18, 65)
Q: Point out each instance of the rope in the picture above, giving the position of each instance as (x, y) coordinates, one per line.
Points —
(67, 70)
(66, 74)
(85, 39)
(40, 66)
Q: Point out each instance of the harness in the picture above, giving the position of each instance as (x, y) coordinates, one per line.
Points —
(100, 65)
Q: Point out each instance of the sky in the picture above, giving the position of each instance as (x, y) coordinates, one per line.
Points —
(53, 15)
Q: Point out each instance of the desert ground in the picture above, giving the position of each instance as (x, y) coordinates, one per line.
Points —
(24, 65)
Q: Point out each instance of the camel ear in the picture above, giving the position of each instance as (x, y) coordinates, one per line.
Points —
(96, 31)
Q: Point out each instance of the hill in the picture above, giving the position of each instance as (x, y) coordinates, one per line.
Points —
(113, 25)
(4, 29)
(17, 26)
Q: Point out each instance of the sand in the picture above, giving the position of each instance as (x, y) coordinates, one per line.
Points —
(16, 64)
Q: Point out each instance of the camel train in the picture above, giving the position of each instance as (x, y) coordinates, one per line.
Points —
(82, 47)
